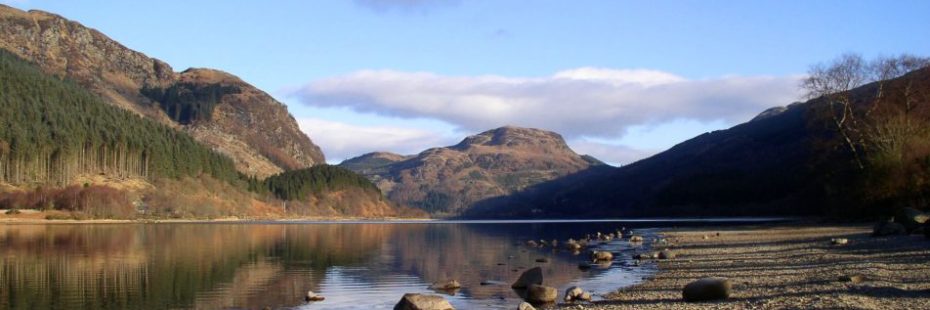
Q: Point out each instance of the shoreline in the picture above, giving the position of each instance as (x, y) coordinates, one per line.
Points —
(29, 216)
(35, 217)
(787, 266)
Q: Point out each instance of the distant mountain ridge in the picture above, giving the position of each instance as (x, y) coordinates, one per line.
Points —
(765, 166)
(448, 180)
(217, 108)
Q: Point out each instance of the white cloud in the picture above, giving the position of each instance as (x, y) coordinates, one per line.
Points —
(593, 102)
(613, 154)
(342, 141)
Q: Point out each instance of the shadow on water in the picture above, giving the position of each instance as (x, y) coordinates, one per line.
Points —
(362, 265)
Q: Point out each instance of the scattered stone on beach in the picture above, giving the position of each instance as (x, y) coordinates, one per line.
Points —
(541, 294)
(532, 243)
(413, 301)
(666, 254)
(446, 285)
(311, 296)
(602, 256)
(532, 276)
(854, 279)
(525, 306)
(542, 260)
(910, 218)
(705, 237)
(647, 255)
(636, 238)
(885, 228)
(839, 241)
(575, 293)
(707, 289)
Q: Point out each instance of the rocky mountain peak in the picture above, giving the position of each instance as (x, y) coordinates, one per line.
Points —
(516, 138)
(216, 108)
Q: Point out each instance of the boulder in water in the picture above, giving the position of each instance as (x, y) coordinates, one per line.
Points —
(540, 294)
(414, 301)
(525, 306)
(532, 276)
(602, 256)
(446, 286)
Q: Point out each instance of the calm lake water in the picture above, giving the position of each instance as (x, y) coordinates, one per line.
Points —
(254, 265)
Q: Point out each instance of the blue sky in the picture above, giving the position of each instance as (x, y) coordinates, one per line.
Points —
(619, 79)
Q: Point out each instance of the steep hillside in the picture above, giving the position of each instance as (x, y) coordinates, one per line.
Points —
(448, 180)
(217, 108)
(780, 163)
(64, 150)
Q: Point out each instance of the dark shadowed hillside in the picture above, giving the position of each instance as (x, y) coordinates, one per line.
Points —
(780, 163)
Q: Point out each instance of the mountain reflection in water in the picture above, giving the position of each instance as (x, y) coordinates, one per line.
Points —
(359, 265)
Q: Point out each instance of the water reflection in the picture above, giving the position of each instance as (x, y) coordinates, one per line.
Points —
(157, 266)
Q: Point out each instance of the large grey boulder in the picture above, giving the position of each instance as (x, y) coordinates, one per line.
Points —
(531, 276)
(540, 294)
(707, 289)
(423, 302)
(884, 228)
(911, 218)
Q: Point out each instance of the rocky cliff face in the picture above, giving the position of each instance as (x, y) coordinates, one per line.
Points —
(248, 125)
(448, 180)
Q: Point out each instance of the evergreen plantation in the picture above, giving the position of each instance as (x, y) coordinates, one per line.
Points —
(54, 130)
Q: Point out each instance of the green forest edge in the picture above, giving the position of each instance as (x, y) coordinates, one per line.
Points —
(54, 130)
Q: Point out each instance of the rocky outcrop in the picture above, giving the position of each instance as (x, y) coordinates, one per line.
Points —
(495, 163)
(248, 125)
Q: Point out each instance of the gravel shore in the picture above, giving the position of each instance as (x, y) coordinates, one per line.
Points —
(790, 266)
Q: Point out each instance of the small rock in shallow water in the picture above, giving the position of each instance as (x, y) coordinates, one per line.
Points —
(839, 241)
(602, 256)
(311, 296)
(525, 306)
(446, 286)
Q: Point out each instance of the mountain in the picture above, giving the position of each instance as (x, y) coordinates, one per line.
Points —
(217, 108)
(782, 162)
(448, 180)
(67, 152)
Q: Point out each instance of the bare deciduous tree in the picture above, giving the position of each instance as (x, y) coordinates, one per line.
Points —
(853, 121)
